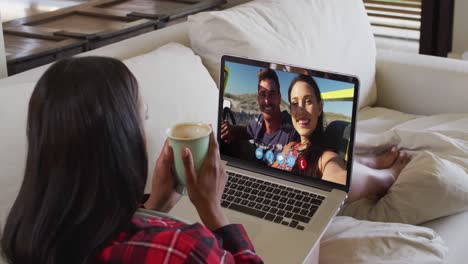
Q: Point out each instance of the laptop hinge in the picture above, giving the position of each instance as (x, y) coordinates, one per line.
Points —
(316, 183)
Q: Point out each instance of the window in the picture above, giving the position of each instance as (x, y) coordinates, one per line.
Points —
(424, 26)
(396, 24)
(395, 19)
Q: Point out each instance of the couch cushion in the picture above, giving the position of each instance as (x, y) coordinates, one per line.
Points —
(177, 88)
(450, 228)
(331, 35)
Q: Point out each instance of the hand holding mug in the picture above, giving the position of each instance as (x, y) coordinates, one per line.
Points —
(194, 136)
(206, 186)
(163, 196)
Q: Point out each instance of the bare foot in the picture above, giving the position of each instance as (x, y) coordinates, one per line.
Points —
(385, 178)
(403, 159)
(383, 160)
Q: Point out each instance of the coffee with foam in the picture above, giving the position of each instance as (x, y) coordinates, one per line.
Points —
(189, 131)
(194, 136)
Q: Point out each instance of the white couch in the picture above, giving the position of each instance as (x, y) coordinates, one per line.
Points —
(414, 84)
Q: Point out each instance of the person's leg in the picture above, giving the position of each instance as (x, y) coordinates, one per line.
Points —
(369, 182)
(382, 160)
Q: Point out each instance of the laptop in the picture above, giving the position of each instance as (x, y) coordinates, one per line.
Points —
(284, 207)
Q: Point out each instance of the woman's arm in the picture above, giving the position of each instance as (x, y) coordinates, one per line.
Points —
(231, 245)
(234, 239)
(176, 242)
(332, 167)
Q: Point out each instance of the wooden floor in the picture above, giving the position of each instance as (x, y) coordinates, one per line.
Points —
(13, 9)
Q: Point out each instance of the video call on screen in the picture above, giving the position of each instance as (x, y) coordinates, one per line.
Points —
(248, 105)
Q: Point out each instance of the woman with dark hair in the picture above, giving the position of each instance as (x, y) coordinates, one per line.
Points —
(306, 107)
(308, 124)
(85, 175)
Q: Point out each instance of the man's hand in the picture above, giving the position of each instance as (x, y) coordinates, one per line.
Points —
(232, 133)
(227, 132)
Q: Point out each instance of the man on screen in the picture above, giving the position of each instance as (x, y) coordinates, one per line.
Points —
(270, 131)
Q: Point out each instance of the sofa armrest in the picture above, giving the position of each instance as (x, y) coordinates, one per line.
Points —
(420, 84)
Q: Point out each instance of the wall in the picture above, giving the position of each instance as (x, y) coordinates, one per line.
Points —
(460, 24)
(3, 67)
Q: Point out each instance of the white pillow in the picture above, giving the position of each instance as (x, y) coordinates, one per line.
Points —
(14, 100)
(177, 88)
(331, 35)
(351, 241)
(429, 187)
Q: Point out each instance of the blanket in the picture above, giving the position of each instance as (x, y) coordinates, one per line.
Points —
(434, 184)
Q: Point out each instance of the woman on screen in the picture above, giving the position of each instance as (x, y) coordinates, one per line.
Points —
(311, 154)
(313, 158)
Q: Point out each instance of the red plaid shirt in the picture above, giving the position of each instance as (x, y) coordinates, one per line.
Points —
(164, 240)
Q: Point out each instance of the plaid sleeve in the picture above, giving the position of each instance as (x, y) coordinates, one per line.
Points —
(161, 240)
(235, 240)
(206, 248)
(233, 246)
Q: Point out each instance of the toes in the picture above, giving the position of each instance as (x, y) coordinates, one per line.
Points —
(405, 157)
(395, 153)
(387, 158)
(400, 158)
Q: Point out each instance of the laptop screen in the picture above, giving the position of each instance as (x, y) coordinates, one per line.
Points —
(287, 119)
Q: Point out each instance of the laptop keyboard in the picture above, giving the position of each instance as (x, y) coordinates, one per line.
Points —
(273, 202)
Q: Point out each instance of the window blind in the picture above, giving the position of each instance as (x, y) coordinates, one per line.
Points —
(395, 18)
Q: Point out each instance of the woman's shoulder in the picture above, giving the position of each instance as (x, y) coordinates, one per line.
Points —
(326, 157)
(154, 225)
(328, 154)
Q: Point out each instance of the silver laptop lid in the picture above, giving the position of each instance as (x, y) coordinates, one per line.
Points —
(250, 101)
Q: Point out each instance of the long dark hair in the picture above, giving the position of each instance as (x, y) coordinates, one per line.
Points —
(86, 164)
(317, 145)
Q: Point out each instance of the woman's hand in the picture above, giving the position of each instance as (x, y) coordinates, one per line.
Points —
(206, 188)
(163, 195)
